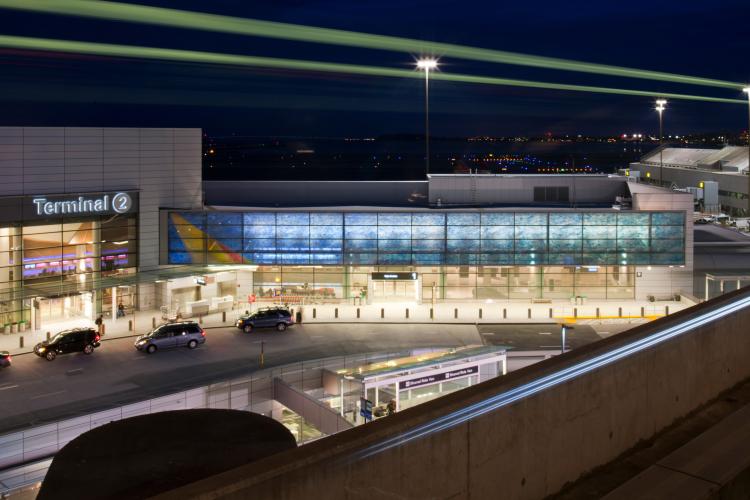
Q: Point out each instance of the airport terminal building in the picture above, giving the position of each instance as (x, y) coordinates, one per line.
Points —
(93, 218)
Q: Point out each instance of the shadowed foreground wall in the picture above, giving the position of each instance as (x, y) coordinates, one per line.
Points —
(526, 450)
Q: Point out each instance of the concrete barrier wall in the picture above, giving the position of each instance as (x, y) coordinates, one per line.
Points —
(526, 450)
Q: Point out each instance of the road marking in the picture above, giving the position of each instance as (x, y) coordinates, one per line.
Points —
(48, 394)
(545, 333)
(8, 387)
(604, 333)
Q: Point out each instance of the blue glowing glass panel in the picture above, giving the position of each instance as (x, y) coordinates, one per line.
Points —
(594, 219)
(293, 232)
(599, 245)
(224, 231)
(292, 219)
(260, 231)
(326, 219)
(463, 219)
(497, 232)
(326, 231)
(668, 259)
(326, 245)
(360, 219)
(394, 258)
(599, 259)
(259, 258)
(632, 232)
(565, 245)
(225, 245)
(427, 258)
(181, 258)
(428, 232)
(666, 246)
(259, 219)
(632, 245)
(361, 245)
(394, 219)
(531, 232)
(497, 245)
(428, 245)
(497, 259)
(668, 232)
(294, 245)
(532, 260)
(565, 219)
(224, 219)
(466, 259)
(266, 245)
(394, 232)
(362, 259)
(668, 219)
(428, 219)
(531, 219)
(197, 219)
(327, 259)
(564, 259)
(463, 245)
(633, 219)
(463, 232)
(599, 232)
(394, 245)
(497, 219)
(294, 258)
(566, 232)
(525, 245)
(360, 232)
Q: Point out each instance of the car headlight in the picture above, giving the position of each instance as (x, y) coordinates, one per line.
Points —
(142, 341)
(42, 349)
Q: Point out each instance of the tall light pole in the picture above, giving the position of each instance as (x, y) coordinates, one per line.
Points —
(661, 105)
(427, 64)
(747, 91)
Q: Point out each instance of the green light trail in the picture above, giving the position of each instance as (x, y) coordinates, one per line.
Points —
(116, 11)
(156, 53)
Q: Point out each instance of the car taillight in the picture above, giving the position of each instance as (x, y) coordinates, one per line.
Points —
(203, 333)
(96, 339)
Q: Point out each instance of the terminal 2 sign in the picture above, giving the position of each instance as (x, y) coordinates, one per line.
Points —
(17, 209)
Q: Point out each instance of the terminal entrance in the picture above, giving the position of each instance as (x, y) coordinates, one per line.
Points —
(394, 287)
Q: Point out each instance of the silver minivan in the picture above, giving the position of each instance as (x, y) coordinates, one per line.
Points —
(183, 334)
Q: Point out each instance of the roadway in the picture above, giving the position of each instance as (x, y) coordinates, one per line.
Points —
(33, 390)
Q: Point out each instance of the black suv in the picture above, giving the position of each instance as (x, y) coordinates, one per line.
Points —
(83, 340)
(279, 317)
(4, 359)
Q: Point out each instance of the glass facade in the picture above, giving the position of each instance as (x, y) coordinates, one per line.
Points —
(606, 238)
(61, 261)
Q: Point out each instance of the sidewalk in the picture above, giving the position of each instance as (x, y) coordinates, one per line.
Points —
(521, 311)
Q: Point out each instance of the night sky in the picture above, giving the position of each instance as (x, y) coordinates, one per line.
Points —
(700, 38)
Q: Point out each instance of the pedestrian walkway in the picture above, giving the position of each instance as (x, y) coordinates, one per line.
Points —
(561, 311)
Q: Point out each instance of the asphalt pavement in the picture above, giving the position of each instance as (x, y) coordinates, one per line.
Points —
(537, 336)
(34, 391)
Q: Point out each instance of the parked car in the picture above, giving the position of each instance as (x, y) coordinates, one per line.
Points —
(4, 359)
(83, 340)
(278, 317)
(182, 334)
(704, 220)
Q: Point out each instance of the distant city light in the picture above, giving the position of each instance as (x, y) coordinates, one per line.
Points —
(427, 64)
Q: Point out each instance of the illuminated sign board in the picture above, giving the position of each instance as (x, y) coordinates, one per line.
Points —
(395, 276)
(438, 377)
(60, 205)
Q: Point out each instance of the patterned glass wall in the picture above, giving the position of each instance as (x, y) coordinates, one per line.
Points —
(441, 238)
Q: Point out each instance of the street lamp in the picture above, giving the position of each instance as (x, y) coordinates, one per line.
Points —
(661, 105)
(747, 91)
(427, 64)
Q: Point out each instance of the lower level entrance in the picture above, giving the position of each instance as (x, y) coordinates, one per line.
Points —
(394, 287)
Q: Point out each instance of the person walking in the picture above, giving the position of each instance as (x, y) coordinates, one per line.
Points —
(99, 322)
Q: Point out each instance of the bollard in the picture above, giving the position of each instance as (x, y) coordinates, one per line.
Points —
(643, 311)
(529, 313)
(619, 312)
(130, 325)
(358, 313)
(382, 313)
(666, 310)
(550, 312)
(153, 322)
(575, 312)
(315, 313)
(432, 313)
(20, 341)
(407, 313)
(480, 313)
(455, 313)
(48, 335)
(505, 313)
(336, 313)
(224, 316)
(597, 312)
